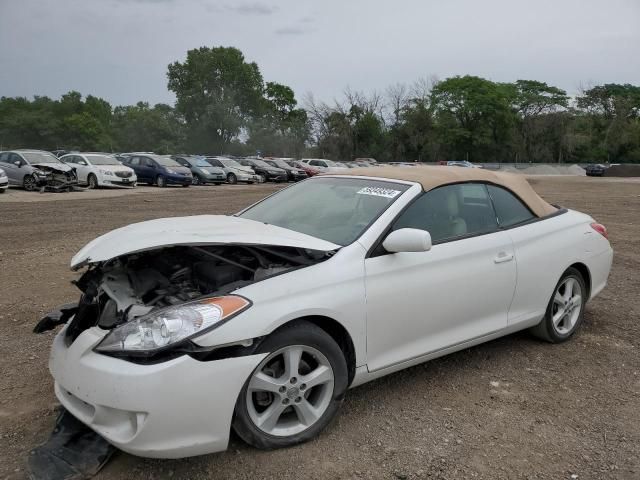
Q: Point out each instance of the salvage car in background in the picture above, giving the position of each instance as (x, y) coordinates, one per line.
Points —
(4, 181)
(158, 170)
(203, 172)
(234, 171)
(595, 170)
(293, 174)
(305, 167)
(188, 327)
(100, 170)
(33, 169)
(326, 166)
(266, 172)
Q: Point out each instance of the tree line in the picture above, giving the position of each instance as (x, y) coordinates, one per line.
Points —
(224, 106)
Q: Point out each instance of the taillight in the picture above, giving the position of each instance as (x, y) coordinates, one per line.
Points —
(601, 229)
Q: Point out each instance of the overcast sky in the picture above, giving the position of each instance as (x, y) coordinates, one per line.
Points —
(120, 49)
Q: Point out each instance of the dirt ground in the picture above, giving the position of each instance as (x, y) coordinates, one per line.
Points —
(514, 408)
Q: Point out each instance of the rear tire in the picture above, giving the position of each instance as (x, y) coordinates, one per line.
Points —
(232, 179)
(306, 380)
(565, 310)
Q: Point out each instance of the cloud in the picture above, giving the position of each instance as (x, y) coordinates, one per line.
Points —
(255, 8)
(291, 31)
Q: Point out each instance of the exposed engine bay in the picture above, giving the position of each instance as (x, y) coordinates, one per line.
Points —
(130, 286)
(54, 179)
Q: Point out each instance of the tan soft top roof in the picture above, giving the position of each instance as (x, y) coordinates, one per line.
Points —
(435, 176)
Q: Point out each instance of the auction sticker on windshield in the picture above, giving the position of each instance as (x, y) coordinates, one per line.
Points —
(379, 192)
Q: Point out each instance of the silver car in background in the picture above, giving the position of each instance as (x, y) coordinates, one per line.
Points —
(233, 171)
(33, 169)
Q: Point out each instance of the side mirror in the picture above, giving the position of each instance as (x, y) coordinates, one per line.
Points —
(84, 164)
(17, 163)
(407, 240)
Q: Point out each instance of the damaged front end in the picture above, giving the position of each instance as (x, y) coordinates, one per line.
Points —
(53, 179)
(130, 287)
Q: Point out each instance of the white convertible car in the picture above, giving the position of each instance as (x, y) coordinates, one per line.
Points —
(260, 322)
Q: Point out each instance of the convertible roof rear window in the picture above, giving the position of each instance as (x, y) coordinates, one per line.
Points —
(338, 210)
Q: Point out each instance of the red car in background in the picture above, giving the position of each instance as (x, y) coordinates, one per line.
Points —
(308, 169)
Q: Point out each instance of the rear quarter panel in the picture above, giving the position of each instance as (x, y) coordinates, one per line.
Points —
(544, 250)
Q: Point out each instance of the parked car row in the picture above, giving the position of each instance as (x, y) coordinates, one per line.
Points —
(63, 170)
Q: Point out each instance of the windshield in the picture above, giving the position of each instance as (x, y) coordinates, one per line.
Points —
(261, 163)
(338, 210)
(201, 162)
(331, 163)
(102, 160)
(281, 164)
(40, 157)
(167, 162)
(228, 162)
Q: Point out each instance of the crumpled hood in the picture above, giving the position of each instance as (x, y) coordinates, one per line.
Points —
(194, 230)
(60, 167)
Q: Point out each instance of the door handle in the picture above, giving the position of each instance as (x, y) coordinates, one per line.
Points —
(503, 257)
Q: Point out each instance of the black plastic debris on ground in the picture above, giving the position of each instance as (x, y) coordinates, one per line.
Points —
(57, 317)
(72, 452)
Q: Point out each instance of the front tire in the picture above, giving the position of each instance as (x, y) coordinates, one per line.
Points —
(30, 183)
(263, 178)
(92, 181)
(197, 180)
(161, 181)
(232, 179)
(565, 310)
(296, 390)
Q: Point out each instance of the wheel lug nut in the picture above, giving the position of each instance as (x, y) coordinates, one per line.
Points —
(282, 389)
(285, 401)
(298, 399)
(303, 386)
(293, 380)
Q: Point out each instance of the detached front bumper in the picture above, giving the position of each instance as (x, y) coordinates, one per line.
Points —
(179, 408)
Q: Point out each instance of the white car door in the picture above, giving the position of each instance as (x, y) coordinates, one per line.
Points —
(422, 302)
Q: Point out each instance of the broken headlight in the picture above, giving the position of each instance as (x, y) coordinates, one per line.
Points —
(168, 326)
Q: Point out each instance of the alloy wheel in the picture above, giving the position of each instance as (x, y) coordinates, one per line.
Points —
(290, 390)
(30, 183)
(567, 305)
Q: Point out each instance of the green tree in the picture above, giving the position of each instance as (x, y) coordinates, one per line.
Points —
(217, 92)
(473, 116)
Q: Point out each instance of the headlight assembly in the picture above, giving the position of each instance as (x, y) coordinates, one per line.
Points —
(106, 172)
(167, 326)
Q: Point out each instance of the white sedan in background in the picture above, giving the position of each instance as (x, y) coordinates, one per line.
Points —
(188, 327)
(4, 181)
(100, 170)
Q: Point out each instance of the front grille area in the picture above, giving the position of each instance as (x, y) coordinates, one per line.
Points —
(123, 174)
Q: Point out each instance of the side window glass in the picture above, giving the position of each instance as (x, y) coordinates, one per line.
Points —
(450, 212)
(4, 157)
(14, 157)
(134, 161)
(509, 208)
